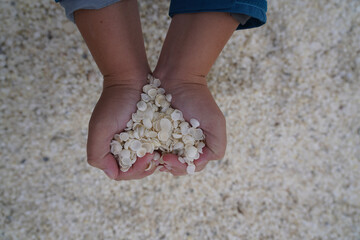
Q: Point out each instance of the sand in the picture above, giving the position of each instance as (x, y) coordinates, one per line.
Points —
(290, 92)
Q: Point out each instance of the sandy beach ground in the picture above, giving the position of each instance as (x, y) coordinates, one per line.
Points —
(290, 92)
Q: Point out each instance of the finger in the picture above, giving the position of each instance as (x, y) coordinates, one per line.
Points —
(136, 171)
(108, 164)
(175, 167)
(204, 159)
(172, 162)
(164, 169)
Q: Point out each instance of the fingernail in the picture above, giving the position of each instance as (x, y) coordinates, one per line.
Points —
(109, 173)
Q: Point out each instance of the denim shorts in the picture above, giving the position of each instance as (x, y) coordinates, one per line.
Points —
(249, 13)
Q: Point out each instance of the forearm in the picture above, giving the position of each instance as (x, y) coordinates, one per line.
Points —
(113, 35)
(193, 43)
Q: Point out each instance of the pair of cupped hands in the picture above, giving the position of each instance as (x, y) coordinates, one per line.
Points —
(118, 101)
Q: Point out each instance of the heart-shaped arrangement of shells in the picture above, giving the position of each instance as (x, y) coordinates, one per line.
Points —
(156, 126)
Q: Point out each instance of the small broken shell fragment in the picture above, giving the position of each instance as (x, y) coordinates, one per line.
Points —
(125, 153)
(141, 105)
(135, 145)
(181, 159)
(126, 161)
(198, 134)
(176, 115)
(141, 152)
(152, 93)
(156, 82)
(124, 136)
(165, 124)
(149, 166)
(176, 135)
(190, 151)
(190, 169)
(149, 147)
(163, 136)
(147, 123)
(145, 97)
(147, 87)
(115, 147)
(161, 91)
(156, 156)
(168, 97)
(188, 140)
(125, 169)
(194, 123)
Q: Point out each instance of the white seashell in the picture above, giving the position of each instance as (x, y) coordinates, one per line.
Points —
(151, 134)
(139, 130)
(152, 93)
(163, 136)
(161, 91)
(198, 134)
(159, 99)
(190, 169)
(165, 124)
(169, 111)
(200, 147)
(125, 154)
(145, 97)
(181, 159)
(191, 131)
(168, 97)
(124, 136)
(141, 105)
(126, 161)
(178, 145)
(115, 147)
(149, 147)
(194, 123)
(125, 169)
(188, 140)
(136, 117)
(141, 152)
(197, 155)
(156, 156)
(190, 151)
(176, 115)
(150, 78)
(117, 137)
(147, 123)
(176, 135)
(135, 145)
(147, 88)
(184, 127)
(156, 82)
(149, 166)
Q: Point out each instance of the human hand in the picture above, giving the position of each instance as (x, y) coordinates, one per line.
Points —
(113, 110)
(195, 101)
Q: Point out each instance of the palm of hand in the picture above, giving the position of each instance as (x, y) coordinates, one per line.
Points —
(196, 101)
(114, 110)
(109, 117)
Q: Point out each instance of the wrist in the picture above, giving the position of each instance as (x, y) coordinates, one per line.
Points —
(173, 78)
(131, 79)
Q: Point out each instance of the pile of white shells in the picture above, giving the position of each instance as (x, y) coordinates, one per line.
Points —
(156, 126)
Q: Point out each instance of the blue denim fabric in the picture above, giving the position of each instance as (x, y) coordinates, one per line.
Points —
(255, 9)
